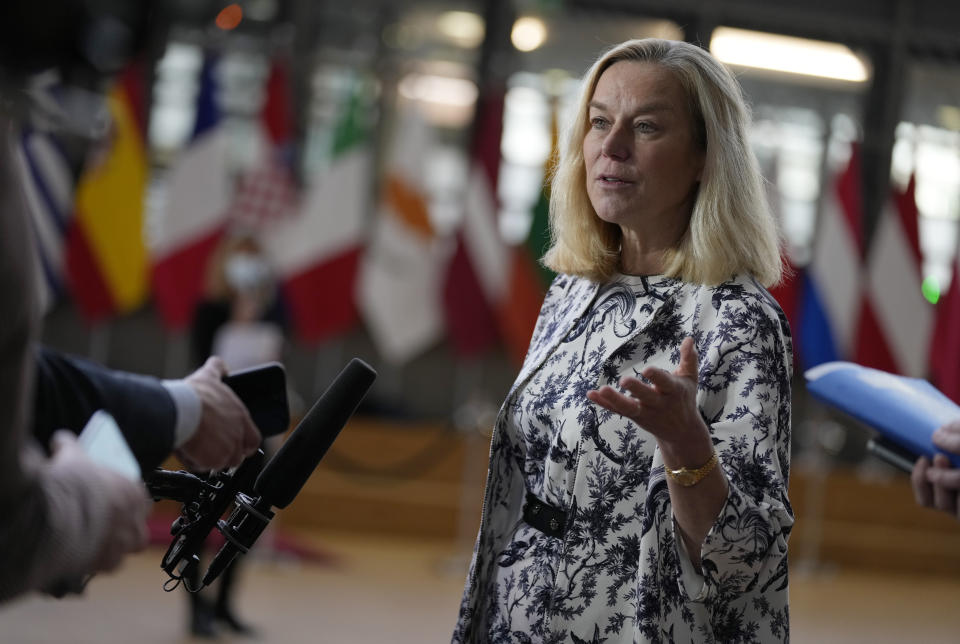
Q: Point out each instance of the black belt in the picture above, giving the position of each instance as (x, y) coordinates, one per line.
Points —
(544, 517)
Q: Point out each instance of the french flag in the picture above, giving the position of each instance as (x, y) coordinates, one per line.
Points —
(190, 210)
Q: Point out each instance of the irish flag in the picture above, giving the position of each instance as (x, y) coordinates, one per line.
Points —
(400, 274)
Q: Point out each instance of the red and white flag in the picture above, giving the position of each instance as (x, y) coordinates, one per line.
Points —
(479, 270)
(945, 339)
(265, 194)
(896, 320)
(268, 191)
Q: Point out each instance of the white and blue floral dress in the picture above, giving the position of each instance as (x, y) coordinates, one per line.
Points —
(619, 572)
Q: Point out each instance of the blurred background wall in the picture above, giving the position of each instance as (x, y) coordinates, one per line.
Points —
(387, 162)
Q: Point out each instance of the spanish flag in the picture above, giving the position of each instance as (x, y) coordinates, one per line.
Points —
(106, 255)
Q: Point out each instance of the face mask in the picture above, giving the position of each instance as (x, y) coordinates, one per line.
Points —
(245, 271)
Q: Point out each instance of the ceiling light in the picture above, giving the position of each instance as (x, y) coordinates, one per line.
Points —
(462, 27)
(445, 101)
(528, 33)
(787, 54)
(948, 117)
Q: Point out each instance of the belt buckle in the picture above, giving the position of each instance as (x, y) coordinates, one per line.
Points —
(544, 517)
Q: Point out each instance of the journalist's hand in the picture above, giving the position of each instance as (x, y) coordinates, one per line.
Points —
(226, 434)
(936, 484)
(124, 503)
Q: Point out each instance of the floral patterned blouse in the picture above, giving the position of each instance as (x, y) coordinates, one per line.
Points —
(620, 573)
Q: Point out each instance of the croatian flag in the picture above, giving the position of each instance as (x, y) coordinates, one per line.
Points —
(267, 192)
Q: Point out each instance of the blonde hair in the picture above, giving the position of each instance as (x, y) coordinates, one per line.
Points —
(731, 227)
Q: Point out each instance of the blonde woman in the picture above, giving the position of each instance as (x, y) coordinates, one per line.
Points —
(637, 487)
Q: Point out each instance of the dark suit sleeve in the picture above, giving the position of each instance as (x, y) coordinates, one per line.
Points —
(69, 390)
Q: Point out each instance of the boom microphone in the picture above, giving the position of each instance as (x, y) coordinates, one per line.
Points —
(287, 472)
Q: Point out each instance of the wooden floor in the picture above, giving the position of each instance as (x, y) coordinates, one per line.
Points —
(371, 590)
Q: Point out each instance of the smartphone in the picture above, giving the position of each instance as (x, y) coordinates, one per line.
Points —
(887, 450)
(263, 390)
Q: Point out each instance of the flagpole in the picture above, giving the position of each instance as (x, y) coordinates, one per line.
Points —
(329, 361)
(471, 415)
(470, 406)
(176, 358)
(99, 342)
(815, 464)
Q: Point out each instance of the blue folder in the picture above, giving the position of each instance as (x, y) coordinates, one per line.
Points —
(905, 411)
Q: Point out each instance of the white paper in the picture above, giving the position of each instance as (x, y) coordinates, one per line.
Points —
(104, 443)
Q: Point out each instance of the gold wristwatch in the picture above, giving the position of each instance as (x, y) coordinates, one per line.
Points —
(689, 477)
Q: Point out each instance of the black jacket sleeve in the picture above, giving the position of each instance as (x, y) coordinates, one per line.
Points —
(69, 390)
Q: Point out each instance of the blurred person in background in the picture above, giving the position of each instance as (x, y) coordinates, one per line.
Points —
(637, 486)
(936, 483)
(238, 321)
(239, 318)
(66, 517)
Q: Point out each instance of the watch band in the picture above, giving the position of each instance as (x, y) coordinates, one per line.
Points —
(688, 477)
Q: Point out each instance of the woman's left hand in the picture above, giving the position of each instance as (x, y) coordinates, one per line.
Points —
(667, 407)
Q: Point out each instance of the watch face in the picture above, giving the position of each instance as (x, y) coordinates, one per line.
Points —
(686, 477)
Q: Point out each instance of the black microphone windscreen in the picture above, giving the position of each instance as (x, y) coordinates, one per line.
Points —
(287, 472)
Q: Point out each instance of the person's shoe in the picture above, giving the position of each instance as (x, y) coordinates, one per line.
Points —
(201, 621)
(225, 615)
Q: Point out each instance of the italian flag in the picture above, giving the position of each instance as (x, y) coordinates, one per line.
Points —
(316, 250)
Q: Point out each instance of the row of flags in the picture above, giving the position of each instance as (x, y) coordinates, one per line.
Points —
(344, 256)
(867, 305)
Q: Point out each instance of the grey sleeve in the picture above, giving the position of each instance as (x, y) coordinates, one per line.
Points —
(51, 527)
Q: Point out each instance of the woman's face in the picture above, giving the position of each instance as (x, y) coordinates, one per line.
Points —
(642, 162)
